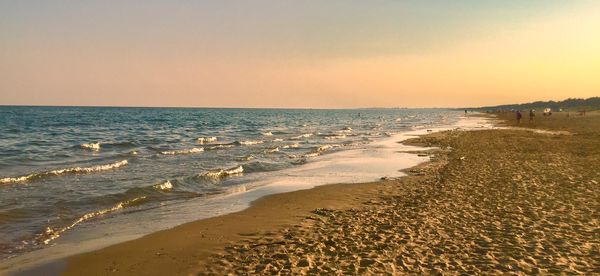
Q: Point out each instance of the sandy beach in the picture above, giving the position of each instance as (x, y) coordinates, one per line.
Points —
(490, 201)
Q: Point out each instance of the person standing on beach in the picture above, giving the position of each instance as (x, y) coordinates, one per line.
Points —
(519, 116)
(531, 115)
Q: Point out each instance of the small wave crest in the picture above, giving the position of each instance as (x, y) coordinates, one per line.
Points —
(165, 186)
(249, 142)
(90, 146)
(268, 133)
(291, 146)
(51, 234)
(205, 140)
(75, 170)
(306, 135)
(272, 150)
(318, 151)
(221, 173)
(219, 146)
(182, 151)
(335, 136)
(246, 158)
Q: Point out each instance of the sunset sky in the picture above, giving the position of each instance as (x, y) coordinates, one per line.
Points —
(280, 53)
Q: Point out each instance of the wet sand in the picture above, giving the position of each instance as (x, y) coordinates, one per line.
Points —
(490, 201)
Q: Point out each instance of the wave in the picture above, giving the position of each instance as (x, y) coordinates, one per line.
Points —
(91, 146)
(273, 150)
(306, 135)
(204, 140)
(183, 151)
(246, 158)
(165, 186)
(335, 136)
(278, 140)
(268, 133)
(126, 144)
(52, 234)
(318, 151)
(75, 170)
(249, 142)
(219, 146)
(221, 173)
(290, 146)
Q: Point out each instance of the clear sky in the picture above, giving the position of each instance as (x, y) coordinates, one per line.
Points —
(303, 53)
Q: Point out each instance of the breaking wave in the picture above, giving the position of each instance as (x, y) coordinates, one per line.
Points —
(318, 151)
(183, 151)
(306, 135)
(91, 146)
(335, 136)
(273, 150)
(165, 186)
(204, 140)
(291, 146)
(75, 170)
(221, 173)
(52, 234)
(219, 146)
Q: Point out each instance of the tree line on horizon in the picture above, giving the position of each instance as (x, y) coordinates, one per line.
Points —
(571, 104)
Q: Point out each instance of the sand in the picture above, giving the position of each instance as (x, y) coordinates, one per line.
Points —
(490, 201)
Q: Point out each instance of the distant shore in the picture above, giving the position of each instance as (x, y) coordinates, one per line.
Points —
(490, 201)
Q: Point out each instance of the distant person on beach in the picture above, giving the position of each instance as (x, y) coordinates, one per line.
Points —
(465, 113)
(519, 116)
(531, 115)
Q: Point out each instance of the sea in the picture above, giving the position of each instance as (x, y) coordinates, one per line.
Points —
(88, 176)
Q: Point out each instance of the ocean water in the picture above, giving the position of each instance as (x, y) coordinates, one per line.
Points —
(68, 169)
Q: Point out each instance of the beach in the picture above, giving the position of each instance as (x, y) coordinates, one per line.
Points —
(490, 201)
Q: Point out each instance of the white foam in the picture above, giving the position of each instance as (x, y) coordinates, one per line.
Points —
(222, 146)
(183, 151)
(278, 140)
(74, 170)
(165, 186)
(220, 173)
(291, 146)
(52, 234)
(318, 151)
(204, 140)
(273, 150)
(306, 135)
(250, 142)
(336, 136)
(268, 133)
(91, 146)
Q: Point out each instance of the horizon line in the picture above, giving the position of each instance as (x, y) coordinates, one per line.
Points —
(225, 107)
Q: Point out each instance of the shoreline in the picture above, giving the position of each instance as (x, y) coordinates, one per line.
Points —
(471, 209)
(29, 262)
(160, 253)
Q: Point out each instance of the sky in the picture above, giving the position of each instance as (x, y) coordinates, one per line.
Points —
(297, 54)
